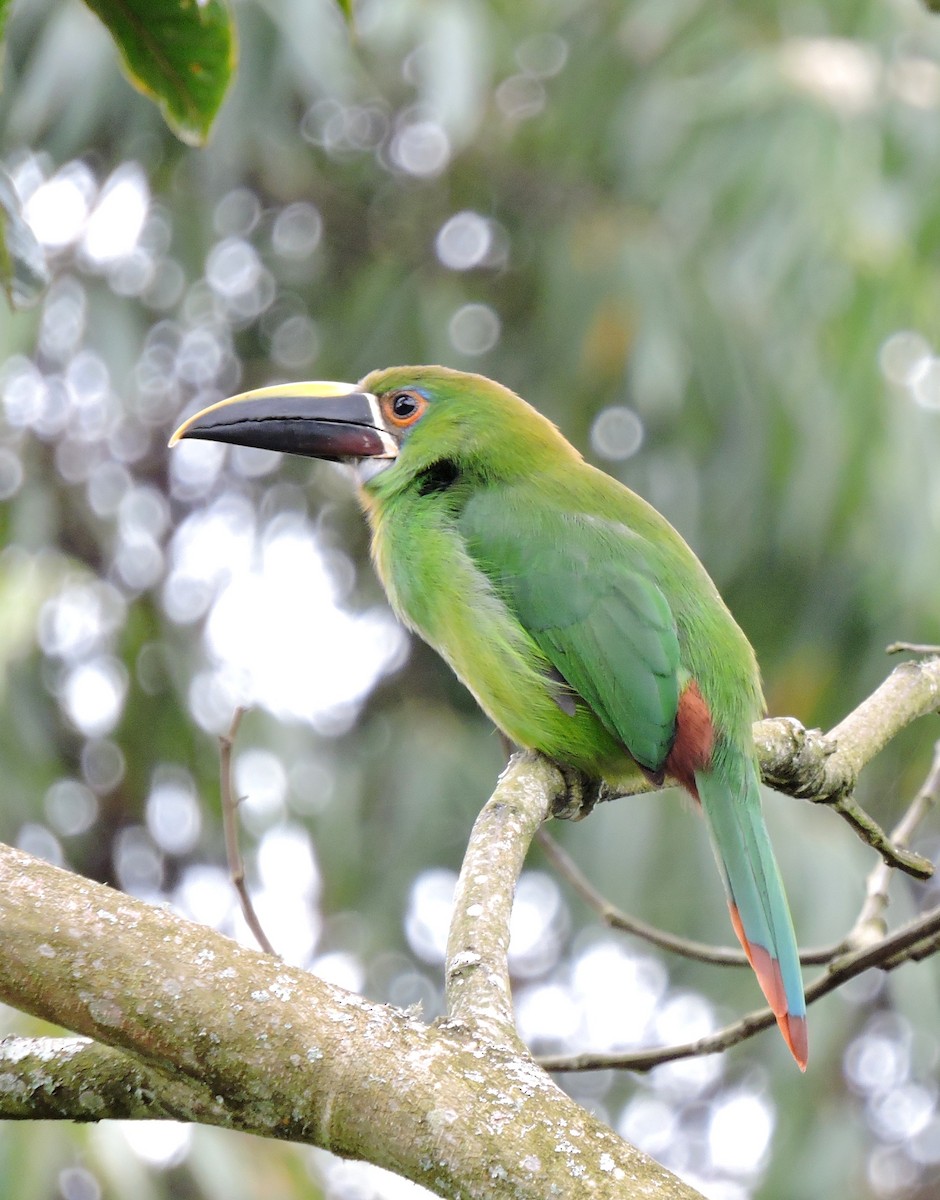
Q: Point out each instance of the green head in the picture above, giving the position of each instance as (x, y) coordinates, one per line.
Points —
(393, 426)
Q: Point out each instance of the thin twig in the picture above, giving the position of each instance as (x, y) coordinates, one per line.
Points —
(233, 853)
(911, 942)
(911, 648)
(871, 917)
(615, 918)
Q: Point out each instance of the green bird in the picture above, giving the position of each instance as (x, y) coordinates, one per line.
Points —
(576, 615)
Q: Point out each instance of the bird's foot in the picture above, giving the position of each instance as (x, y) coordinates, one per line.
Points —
(580, 796)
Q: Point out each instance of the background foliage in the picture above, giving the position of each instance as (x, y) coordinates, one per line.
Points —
(704, 240)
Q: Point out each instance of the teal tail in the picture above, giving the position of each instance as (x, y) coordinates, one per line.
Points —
(730, 796)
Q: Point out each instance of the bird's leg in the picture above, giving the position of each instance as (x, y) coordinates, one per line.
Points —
(581, 794)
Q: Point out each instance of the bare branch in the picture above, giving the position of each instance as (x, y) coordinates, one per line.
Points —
(476, 969)
(230, 802)
(615, 918)
(910, 943)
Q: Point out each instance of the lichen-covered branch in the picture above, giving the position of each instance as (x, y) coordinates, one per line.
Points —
(477, 964)
(238, 1039)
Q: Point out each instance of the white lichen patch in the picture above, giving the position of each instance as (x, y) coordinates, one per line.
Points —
(283, 988)
(475, 910)
(45, 950)
(261, 995)
(12, 1085)
(531, 1164)
(102, 1010)
(205, 955)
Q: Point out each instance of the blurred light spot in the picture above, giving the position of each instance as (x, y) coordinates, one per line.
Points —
(166, 284)
(297, 230)
(312, 787)
(542, 55)
(261, 784)
(128, 440)
(684, 1017)
(64, 314)
(899, 1113)
(132, 274)
(925, 1145)
(144, 509)
(162, 1144)
(70, 807)
(903, 356)
(172, 812)
(287, 864)
(75, 1183)
(617, 433)
(194, 468)
(93, 695)
(520, 97)
(841, 73)
(548, 1016)
(687, 1077)
(926, 384)
(233, 267)
(915, 80)
(650, 1124)
(252, 462)
(537, 925)
(619, 993)
(739, 1131)
(278, 628)
(294, 342)
(201, 356)
(139, 561)
(57, 210)
(474, 329)
(361, 1181)
(237, 213)
(463, 241)
(879, 1058)
(107, 485)
(420, 148)
(118, 217)
(206, 894)
(11, 473)
(79, 619)
(427, 918)
(138, 863)
(23, 389)
(342, 968)
(41, 843)
(103, 765)
(890, 1172)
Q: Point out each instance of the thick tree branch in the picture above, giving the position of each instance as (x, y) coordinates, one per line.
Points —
(241, 1040)
(477, 970)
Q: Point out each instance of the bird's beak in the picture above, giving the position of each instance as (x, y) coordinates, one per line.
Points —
(334, 421)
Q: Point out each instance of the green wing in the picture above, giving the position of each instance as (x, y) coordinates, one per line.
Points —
(583, 591)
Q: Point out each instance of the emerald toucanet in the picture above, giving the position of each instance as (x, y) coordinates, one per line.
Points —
(576, 615)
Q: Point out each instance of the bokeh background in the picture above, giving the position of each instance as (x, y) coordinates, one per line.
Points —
(704, 239)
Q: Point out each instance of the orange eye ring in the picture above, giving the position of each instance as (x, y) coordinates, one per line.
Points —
(403, 407)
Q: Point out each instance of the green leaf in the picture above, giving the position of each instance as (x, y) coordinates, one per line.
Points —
(346, 7)
(23, 272)
(181, 53)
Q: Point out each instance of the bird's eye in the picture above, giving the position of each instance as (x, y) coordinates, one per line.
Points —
(404, 408)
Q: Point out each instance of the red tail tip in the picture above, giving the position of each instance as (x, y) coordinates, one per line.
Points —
(767, 970)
